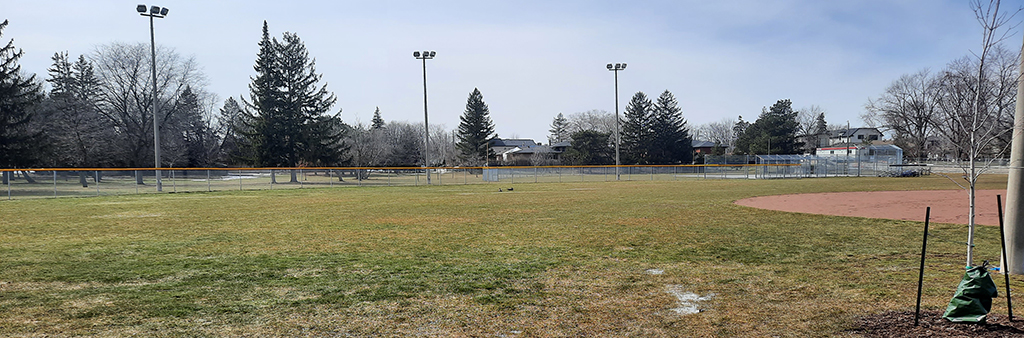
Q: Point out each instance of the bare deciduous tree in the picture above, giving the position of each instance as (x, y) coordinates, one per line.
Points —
(908, 109)
(720, 132)
(970, 108)
(807, 117)
(594, 119)
(125, 96)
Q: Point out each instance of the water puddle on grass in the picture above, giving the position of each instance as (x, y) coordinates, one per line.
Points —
(688, 301)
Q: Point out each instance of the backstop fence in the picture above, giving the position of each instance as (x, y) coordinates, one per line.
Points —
(72, 182)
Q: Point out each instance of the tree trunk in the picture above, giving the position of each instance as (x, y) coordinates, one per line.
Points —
(82, 180)
(6, 177)
(972, 180)
(28, 178)
(97, 177)
(138, 178)
(295, 177)
(273, 177)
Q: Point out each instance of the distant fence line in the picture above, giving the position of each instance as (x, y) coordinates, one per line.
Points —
(71, 182)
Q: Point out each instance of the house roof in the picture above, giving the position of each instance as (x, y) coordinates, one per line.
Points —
(850, 132)
(561, 144)
(702, 144)
(513, 142)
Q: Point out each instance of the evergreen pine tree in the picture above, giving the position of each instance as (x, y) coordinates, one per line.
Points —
(199, 143)
(672, 141)
(289, 123)
(589, 147)
(377, 122)
(559, 129)
(318, 134)
(77, 134)
(820, 133)
(232, 129)
(637, 130)
(776, 128)
(18, 96)
(262, 116)
(475, 130)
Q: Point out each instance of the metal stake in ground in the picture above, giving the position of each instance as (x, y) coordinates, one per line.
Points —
(1003, 267)
(920, 277)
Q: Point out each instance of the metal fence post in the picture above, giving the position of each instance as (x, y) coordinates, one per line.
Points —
(97, 173)
(174, 185)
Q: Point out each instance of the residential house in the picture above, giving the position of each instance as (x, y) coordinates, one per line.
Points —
(702, 147)
(853, 136)
(527, 152)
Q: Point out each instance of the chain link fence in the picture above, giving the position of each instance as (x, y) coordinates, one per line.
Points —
(75, 182)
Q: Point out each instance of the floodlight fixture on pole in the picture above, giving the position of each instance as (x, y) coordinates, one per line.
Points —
(154, 12)
(424, 55)
(618, 138)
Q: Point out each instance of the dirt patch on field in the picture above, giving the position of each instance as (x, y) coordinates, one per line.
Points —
(948, 206)
(901, 324)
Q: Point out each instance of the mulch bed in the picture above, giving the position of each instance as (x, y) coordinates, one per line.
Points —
(901, 324)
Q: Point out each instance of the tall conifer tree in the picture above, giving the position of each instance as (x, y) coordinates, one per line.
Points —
(475, 130)
(559, 129)
(79, 134)
(289, 121)
(774, 132)
(377, 122)
(18, 95)
(637, 130)
(672, 141)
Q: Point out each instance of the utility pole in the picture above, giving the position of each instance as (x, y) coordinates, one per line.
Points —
(1014, 219)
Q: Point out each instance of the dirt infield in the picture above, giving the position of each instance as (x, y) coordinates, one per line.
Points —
(948, 206)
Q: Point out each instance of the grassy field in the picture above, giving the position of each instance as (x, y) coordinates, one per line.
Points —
(550, 259)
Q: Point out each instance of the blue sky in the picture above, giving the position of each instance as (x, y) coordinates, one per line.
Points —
(535, 59)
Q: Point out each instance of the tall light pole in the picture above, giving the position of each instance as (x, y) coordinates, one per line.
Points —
(618, 138)
(154, 12)
(424, 55)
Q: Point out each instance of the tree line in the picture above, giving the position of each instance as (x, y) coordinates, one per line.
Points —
(651, 132)
(98, 112)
